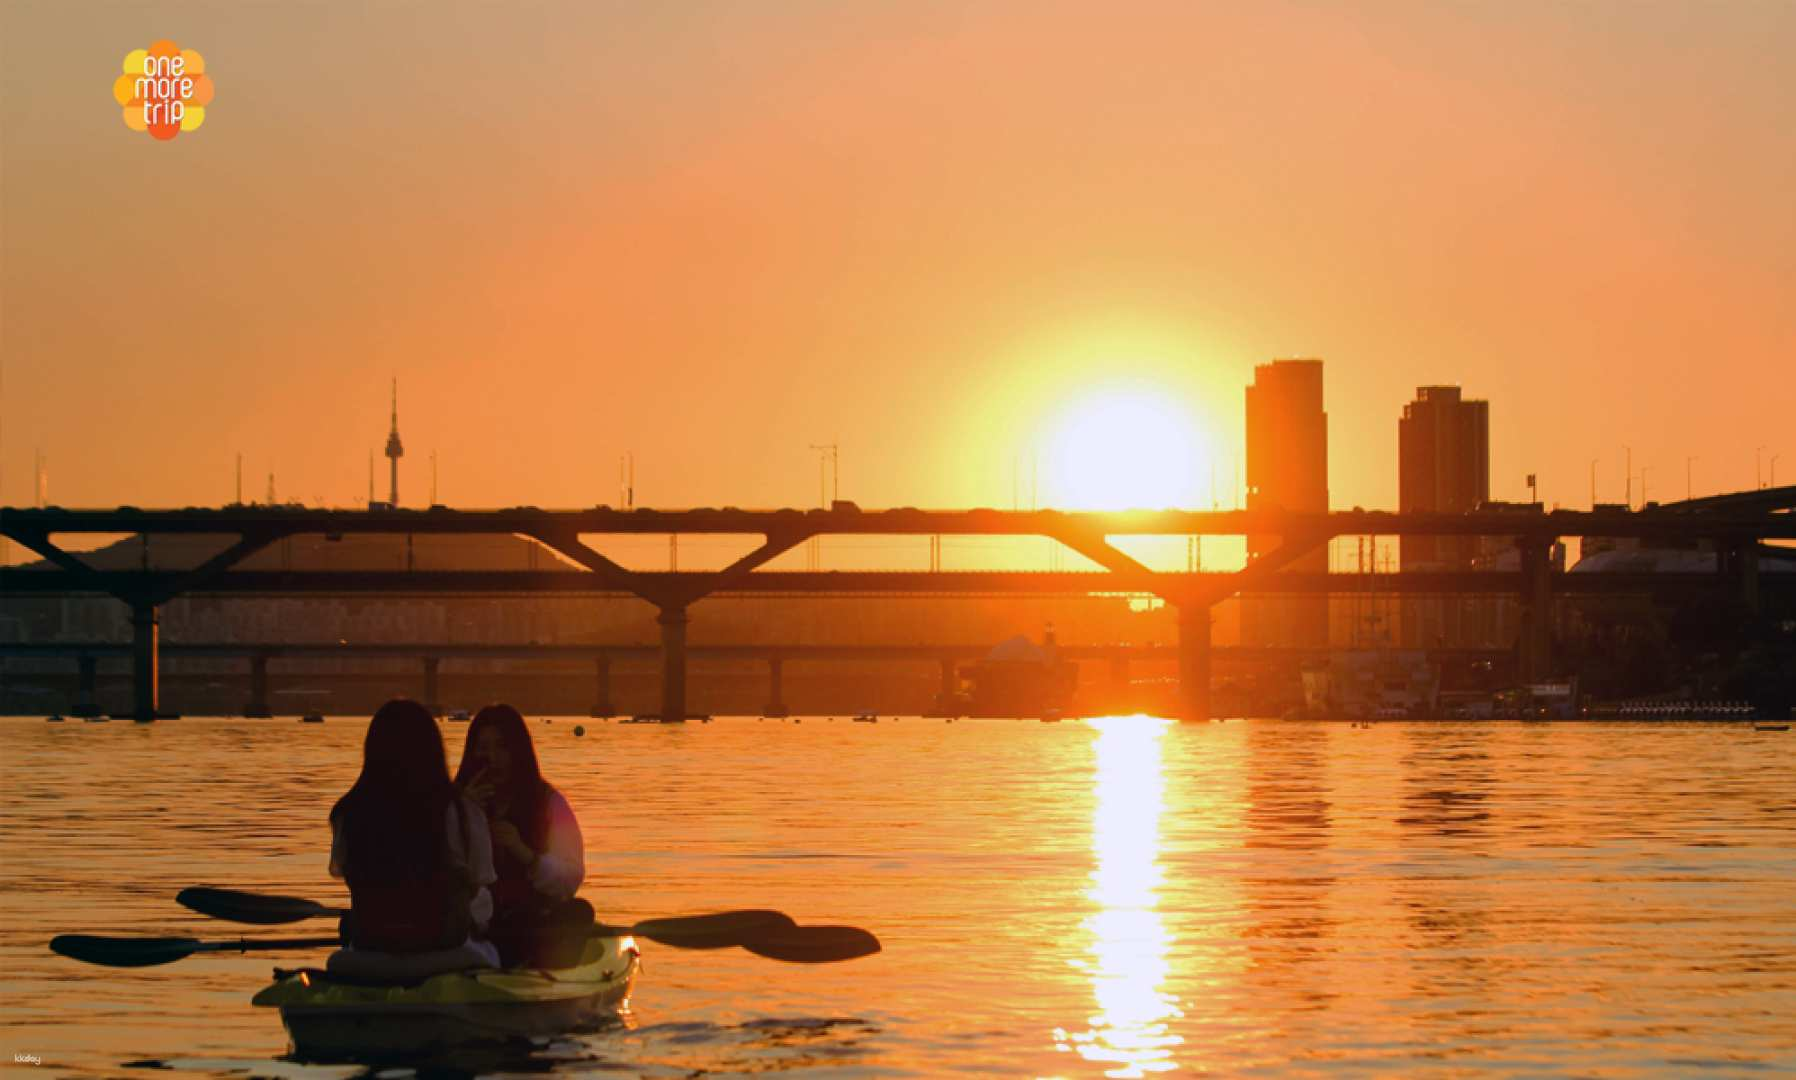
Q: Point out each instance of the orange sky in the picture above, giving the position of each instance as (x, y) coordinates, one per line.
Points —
(716, 234)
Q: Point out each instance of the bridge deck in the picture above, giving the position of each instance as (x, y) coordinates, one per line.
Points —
(1736, 528)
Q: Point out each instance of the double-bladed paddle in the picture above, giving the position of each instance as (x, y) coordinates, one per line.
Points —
(147, 952)
(772, 934)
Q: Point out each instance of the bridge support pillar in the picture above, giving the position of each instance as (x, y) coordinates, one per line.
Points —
(431, 664)
(145, 662)
(86, 697)
(946, 694)
(1536, 659)
(258, 708)
(1121, 699)
(1749, 575)
(776, 696)
(602, 707)
(673, 662)
(1194, 661)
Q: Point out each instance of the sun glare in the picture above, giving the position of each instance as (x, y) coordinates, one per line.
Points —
(1123, 450)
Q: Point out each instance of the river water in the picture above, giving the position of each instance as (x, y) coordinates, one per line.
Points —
(1118, 897)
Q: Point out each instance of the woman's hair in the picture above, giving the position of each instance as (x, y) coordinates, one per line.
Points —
(393, 817)
(526, 789)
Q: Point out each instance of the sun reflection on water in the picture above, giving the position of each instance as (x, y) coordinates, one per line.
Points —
(1127, 962)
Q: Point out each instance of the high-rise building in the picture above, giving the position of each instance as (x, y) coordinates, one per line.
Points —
(1443, 467)
(1287, 469)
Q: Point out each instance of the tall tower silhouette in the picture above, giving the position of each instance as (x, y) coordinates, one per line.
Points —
(394, 450)
(1287, 469)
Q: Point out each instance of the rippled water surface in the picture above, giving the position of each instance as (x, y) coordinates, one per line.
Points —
(1117, 897)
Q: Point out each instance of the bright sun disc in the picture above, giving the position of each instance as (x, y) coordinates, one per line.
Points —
(1123, 450)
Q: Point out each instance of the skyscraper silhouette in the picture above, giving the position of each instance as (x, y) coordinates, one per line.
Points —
(1443, 466)
(1287, 469)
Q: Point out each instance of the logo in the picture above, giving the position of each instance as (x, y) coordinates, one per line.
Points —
(164, 90)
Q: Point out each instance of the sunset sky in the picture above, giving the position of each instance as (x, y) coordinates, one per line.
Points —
(937, 234)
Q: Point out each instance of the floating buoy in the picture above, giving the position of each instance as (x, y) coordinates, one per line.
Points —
(579, 730)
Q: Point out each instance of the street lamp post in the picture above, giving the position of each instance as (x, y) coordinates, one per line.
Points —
(829, 480)
(829, 465)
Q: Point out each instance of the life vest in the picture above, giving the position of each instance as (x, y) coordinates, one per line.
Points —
(409, 914)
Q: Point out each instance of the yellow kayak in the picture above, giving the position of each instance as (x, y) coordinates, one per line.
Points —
(334, 1018)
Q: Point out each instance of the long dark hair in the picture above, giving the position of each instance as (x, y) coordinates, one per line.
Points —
(393, 817)
(526, 792)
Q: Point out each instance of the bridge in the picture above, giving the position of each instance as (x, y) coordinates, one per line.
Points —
(1738, 528)
(87, 656)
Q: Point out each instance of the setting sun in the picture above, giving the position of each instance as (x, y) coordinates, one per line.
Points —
(1123, 449)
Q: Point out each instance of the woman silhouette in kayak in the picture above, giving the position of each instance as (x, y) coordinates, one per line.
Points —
(537, 850)
(416, 854)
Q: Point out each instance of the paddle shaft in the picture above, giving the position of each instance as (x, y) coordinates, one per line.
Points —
(772, 934)
(265, 944)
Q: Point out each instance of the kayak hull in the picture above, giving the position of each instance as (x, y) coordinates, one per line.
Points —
(328, 1020)
(327, 1034)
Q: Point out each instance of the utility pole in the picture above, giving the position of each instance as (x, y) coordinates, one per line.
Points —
(1643, 471)
(1758, 468)
(1593, 462)
(829, 465)
(1628, 495)
(829, 491)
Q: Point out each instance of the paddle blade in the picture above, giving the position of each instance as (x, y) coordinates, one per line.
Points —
(718, 931)
(123, 952)
(814, 944)
(234, 906)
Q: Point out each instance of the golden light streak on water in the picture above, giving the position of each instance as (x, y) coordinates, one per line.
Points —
(1128, 962)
